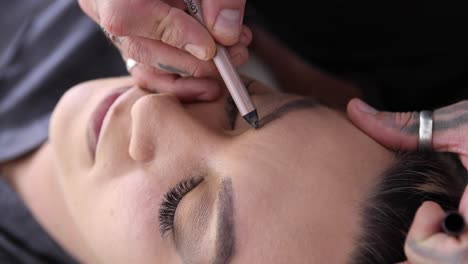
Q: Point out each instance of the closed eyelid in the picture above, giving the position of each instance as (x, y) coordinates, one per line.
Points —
(171, 200)
(209, 208)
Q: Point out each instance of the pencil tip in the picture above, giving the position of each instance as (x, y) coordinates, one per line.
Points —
(252, 119)
(453, 223)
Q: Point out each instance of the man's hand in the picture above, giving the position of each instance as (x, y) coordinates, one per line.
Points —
(427, 244)
(400, 130)
(172, 48)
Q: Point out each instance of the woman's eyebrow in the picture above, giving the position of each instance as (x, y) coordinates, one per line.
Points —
(294, 105)
(225, 224)
(225, 228)
(221, 247)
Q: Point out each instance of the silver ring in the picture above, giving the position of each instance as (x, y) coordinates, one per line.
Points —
(130, 64)
(425, 131)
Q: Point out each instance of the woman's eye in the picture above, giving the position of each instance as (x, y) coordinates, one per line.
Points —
(232, 112)
(231, 108)
(171, 200)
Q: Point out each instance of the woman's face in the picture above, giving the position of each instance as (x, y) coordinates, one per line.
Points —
(164, 182)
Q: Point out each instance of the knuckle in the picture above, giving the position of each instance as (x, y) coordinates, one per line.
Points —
(168, 30)
(201, 69)
(242, 57)
(196, 70)
(404, 120)
(114, 24)
(172, 36)
(135, 49)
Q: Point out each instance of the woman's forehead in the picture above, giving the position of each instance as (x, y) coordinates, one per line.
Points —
(300, 192)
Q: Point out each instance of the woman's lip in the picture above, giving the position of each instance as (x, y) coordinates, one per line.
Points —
(98, 116)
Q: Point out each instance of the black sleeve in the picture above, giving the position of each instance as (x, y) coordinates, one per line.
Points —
(406, 55)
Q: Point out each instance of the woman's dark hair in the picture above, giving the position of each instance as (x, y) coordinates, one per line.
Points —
(388, 211)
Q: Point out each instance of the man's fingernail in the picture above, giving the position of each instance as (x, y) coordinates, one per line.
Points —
(197, 51)
(365, 108)
(228, 23)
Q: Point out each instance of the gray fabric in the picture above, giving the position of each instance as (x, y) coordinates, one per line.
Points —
(46, 46)
(22, 240)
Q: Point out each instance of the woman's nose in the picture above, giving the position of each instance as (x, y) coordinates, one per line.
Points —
(161, 126)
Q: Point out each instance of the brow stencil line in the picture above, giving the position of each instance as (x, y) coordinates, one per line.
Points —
(299, 104)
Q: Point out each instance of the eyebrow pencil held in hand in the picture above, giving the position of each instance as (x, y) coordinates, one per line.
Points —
(229, 74)
(453, 224)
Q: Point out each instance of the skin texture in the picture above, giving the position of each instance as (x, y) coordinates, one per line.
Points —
(157, 32)
(288, 192)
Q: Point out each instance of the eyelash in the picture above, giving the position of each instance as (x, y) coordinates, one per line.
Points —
(171, 200)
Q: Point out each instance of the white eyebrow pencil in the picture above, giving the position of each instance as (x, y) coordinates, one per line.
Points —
(229, 74)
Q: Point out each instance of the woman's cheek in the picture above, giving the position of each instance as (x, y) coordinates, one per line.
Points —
(120, 221)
